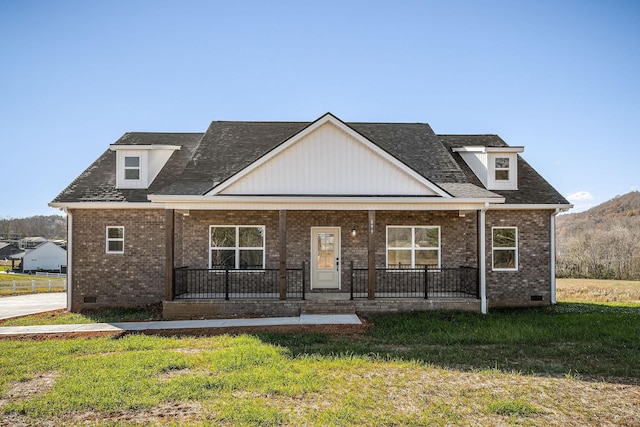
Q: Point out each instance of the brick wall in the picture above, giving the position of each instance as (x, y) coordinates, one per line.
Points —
(134, 278)
(533, 277)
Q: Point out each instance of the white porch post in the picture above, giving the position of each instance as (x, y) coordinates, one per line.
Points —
(482, 259)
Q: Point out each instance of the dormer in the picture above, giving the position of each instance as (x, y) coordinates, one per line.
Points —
(496, 167)
(138, 165)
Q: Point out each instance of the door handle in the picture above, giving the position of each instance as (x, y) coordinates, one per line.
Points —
(337, 264)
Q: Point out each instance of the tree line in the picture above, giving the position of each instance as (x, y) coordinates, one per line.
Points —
(47, 226)
(601, 243)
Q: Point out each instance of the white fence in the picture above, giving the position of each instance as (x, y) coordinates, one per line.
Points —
(40, 273)
(50, 285)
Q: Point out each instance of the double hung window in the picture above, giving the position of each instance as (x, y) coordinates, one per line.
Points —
(115, 240)
(413, 246)
(501, 169)
(236, 247)
(132, 168)
(505, 248)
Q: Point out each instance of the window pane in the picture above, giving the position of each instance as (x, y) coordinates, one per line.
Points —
(223, 237)
(223, 259)
(426, 257)
(504, 237)
(398, 259)
(398, 237)
(504, 258)
(326, 253)
(427, 237)
(132, 162)
(502, 175)
(116, 246)
(502, 163)
(115, 232)
(132, 174)
(251, 237)
(250, 259)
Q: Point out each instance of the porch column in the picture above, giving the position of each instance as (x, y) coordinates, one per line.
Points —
(169, 221)
(282, 238)
(372, 255)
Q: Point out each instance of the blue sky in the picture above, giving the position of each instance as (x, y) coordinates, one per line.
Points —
(561, 78)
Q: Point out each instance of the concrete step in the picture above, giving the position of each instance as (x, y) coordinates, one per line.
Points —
(328, 307)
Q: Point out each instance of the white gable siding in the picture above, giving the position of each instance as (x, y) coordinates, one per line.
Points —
(328, 162)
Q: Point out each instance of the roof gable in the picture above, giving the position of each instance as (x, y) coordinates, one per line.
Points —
(328, 158)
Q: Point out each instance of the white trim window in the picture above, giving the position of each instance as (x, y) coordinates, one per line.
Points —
(413, 246)
(504, 243)
(132, 168)
(237, 247)
(114, 240)
(501, 169)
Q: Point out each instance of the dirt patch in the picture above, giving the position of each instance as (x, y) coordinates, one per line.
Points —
(25, 389)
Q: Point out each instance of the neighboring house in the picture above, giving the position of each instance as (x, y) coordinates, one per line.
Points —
(46, 257)
(8, 249)
(283, 217)
(31, 242)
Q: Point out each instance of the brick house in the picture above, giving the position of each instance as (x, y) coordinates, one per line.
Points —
(282, 217)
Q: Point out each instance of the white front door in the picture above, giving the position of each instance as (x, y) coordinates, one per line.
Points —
(325, 258)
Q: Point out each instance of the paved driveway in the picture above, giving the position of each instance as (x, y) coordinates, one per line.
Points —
(30, 304)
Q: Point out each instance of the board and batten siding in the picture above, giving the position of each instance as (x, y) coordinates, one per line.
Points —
(479, 164)
(328, 162)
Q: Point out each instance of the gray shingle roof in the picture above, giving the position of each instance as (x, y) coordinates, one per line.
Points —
(228, 147)
(98, 182)
(532, 188)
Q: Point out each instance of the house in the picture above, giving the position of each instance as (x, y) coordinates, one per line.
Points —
(31, 242)
(7, 249)
(46, 257)
(282, 217)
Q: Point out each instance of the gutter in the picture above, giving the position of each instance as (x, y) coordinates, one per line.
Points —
(482, 257)
(69, 258)
(552, 250)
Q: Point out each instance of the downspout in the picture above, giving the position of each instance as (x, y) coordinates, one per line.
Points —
(552, 250)
(69, 257)
(482, 258)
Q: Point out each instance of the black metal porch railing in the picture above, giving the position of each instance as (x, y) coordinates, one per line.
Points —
(227, 284)
(427, 282)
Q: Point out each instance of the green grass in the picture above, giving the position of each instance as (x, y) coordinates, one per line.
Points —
(111, 315)
(573, 363)
(41, 284)
(569, 364)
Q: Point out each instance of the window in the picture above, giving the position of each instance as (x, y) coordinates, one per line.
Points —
(505, 248)
(413, 247)
(236, 247)
(115, 240)
(132, 168)
(502, 169)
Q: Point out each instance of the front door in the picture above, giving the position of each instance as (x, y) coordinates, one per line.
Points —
(325, 258)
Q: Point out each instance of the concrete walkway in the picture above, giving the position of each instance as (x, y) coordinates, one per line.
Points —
(24, 305)
(302, 320)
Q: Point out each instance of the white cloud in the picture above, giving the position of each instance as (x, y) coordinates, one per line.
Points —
(580, 196)
(581, 200)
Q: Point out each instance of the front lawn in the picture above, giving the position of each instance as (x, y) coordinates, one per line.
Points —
(572, 364)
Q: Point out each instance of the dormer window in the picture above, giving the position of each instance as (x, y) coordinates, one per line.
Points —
(138, 165)
(501, 170)
(132, 168)
(496, 167)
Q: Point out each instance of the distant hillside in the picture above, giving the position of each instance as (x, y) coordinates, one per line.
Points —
(50, 227)
(603, 242)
